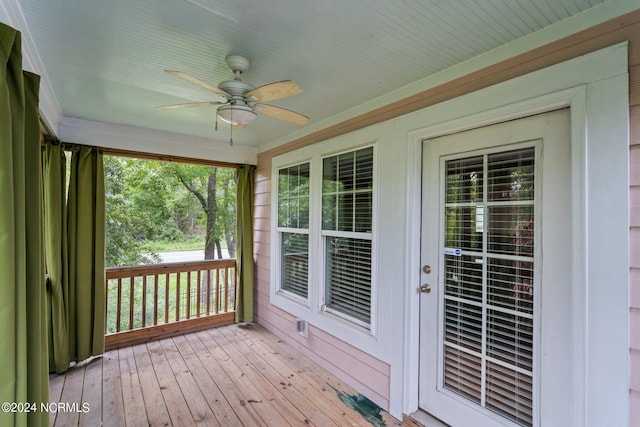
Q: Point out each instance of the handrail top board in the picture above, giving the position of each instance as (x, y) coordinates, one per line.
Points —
(166, 268)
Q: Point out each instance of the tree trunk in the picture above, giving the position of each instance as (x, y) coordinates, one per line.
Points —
(211, 211)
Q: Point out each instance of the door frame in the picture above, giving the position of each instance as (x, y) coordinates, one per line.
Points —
(595, 88)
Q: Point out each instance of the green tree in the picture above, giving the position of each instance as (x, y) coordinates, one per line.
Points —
(123, 244)
(214, 189)
(169, 202)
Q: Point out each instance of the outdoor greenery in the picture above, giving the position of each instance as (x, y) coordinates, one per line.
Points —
(153, 206)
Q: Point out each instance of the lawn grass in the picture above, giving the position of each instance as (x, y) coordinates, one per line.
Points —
(194, 243)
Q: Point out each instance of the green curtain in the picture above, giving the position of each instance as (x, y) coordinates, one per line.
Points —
(23, 324)
(244, 238)
(55, 175)
(86, 253)
(75, 248)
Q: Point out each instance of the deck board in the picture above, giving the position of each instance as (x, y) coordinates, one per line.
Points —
(155, 406)
(226, 376)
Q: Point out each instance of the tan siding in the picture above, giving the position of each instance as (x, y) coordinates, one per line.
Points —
(358, 369)
(329, 354)
(624, 28)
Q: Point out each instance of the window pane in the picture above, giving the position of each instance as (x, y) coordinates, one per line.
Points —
(293, 196)
(363, 211)
(511, 175)
(464, 180)
(347, 191)
(348, 277)
(464, 227)
(511, 229)
(295, 263)
(364, 169)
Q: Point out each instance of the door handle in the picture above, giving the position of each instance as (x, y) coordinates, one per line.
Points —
(425, 289)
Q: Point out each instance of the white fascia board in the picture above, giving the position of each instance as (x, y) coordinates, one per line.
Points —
(50, 111)
(582, 21)
(126, 137)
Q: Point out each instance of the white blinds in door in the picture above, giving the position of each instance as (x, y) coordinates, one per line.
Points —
(489, 280)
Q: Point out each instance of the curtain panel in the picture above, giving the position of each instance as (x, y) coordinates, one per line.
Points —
(86, 240)
(75, 237)
(244, 237)
(55, 175)
(23, 324)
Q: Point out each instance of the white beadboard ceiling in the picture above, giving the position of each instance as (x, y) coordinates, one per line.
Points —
(105, 59)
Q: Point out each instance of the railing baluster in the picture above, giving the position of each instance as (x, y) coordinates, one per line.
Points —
(209, 272)
(188, 294)
(217, 291)
(119, 306)
(226, 290)
(131, 295)
(198, 304)
(166, 298)
(234, 303)
(144, 301)
(155, 299)
(178, 296)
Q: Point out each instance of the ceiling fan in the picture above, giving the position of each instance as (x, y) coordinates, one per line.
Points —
(241, 102)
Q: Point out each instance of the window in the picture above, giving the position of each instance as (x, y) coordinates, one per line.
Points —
(323, 237)
(347, 217)
(293, 227)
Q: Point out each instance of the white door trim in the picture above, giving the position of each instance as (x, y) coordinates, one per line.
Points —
(595, 87)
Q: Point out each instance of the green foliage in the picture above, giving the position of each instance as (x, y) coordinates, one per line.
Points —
(155, 201)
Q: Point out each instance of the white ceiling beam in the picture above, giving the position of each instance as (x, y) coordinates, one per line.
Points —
(127, 137)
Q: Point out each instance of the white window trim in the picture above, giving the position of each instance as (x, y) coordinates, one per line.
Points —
(276, 246)
(313, 310)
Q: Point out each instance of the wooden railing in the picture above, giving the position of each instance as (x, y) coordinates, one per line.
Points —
(154, 301)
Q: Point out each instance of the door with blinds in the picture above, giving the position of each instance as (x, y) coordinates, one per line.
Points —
(495, 326)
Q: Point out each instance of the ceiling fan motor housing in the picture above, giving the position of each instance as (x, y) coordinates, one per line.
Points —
(235, 88)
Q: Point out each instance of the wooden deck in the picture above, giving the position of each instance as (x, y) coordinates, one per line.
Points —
(227, 376)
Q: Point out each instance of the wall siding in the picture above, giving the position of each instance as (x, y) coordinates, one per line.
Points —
(358, 369)
(371, 377)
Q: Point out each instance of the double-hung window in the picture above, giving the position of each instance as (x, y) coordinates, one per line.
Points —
(323, 254)
(347, 219)
(293, 228)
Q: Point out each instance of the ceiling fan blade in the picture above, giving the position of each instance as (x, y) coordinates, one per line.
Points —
(282, 114)
(198, 82)
(277, 90)
(189, 105)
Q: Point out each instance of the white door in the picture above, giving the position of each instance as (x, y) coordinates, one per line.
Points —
(496, 256)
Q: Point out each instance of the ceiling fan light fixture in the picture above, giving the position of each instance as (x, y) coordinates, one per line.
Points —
(237, 114)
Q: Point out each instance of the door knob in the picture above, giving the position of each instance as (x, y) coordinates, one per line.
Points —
(425, 289)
